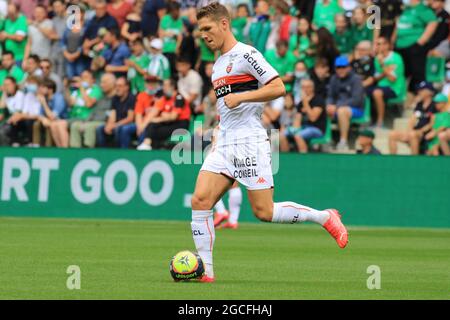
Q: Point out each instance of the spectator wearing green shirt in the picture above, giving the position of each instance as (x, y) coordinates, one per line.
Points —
(261, 26)
(440, 123)
(159, 66)
(415, 27)
(10, 69)
(137, 65)
(342, 35)
(171, 31)
(81, 103)
(14, 34)
(389, 77)
(359, 28)
(240, 21)
(324, 13)
(300, 43)
(283, 61)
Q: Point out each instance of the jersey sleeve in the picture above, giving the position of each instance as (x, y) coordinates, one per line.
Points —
(258, 67)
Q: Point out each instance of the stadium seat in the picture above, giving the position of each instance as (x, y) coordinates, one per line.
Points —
(435, 69)
(365, 119)
(326, 138)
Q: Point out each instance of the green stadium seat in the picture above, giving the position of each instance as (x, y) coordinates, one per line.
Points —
(435, 69)
(326, 138)
(365, 119)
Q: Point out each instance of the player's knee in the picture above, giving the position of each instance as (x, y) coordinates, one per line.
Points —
(378, 93)
(199, 202)
(442, 136)
(263, 213)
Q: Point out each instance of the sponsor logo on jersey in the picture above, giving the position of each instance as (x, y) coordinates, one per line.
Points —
(234, 83)
(254, 63)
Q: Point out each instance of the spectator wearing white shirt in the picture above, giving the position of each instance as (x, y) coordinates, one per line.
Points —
(190, 83)
(40, 34)
(22, 121)
(10, 103)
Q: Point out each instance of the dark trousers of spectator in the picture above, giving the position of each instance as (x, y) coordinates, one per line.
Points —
(122, 136)
(172, 57)
(159, 132)
(415, 59)
(24, 127)
(4, 134)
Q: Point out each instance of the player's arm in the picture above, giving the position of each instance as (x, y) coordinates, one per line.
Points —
(270, 91)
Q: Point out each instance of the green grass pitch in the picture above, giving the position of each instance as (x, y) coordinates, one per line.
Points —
(129, 260)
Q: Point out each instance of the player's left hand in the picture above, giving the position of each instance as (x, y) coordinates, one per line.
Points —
(232, 100)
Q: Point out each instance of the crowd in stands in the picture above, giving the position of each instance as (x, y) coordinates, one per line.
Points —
(128, 73)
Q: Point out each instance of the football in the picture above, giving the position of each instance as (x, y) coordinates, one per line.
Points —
(186, 265)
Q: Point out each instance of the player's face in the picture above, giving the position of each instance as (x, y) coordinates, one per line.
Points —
(212, 32)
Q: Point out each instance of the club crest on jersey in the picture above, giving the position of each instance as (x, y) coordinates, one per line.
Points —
(229, 67)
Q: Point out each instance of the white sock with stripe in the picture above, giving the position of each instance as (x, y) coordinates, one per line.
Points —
(291, 212)
(234, 203)
(204, 235)
(220, 206)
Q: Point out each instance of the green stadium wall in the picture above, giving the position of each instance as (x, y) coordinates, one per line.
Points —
(398, 191)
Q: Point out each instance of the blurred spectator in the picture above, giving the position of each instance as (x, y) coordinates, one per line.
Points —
(415, 27)
(14, 34)
(82, 132)
(152, 12)
(345, 99)
(211, 119)
(119, 10)
(170, 31)
(22, 121)
(32, 66)
(363, 63)
(188, 48)
(365, 141)
(27, 6)
(72, 41)
(159, 67)
(240, 21)
(101, 20)
(439, 41)
(320, 75)
(11, 102)
(120, 115)
(300, 43)
(389, 77)
(10, 69)
(132, 28)
(81, 102)
(137, 64)
(326, 47)
(113, 58)
(260, 26)
(440, 123)
(53, 108)
(360, 29)
(143, 110)
(324, 13)
(419, 122)
(343, 35)
(171, 112)
(311, 120)
(40, 34)
(59, 25)
(390, 10)
(303, 8)
(189, 83)
(47, 72)
(300, 73)
(283, 61)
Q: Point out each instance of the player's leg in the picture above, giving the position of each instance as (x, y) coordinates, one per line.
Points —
(234, 205)
(221, 213)
(290, 212)
(203, 200)
(444, 138)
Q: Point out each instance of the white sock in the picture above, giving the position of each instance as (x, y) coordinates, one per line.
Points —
(234, 203)
(291, 212)
(204, 235)
(220, 206)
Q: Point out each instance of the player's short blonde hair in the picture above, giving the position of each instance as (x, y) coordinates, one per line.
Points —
(215, 11)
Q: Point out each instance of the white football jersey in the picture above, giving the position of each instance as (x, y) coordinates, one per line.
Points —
(243, 68)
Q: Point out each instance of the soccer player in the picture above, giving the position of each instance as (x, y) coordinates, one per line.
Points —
(243, 81)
